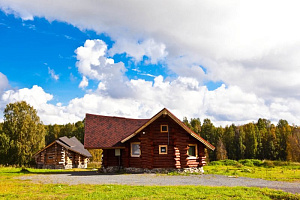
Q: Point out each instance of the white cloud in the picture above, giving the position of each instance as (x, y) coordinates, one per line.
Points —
(232, 39)
(251, 46)
(52, 73)
(39, 99)
(136, 49)
(84, 83)
(3, 82)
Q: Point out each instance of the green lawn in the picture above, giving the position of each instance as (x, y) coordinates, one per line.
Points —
(282, 172)
(13, 188)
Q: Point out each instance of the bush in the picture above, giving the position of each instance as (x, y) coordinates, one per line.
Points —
(226, 162)
(251, 162)
(268, 163)
(246, 162)
(213, 163)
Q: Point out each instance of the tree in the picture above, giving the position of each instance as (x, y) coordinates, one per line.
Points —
(250, 141)
(79, 131)
(293, 146)
(230, 141)
(283, 130)
(23, 131)
(240, 144)
(196, 125)
(53, 133)
(221, 152)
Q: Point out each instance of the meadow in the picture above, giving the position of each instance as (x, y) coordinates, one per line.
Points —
(252, 168)
(13, 188)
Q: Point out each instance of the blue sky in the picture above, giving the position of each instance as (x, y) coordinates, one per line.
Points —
(202, 59)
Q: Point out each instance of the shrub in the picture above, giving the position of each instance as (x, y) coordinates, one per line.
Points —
(268, 163)
(246, 162)
(257, 163)
(228, 162)
(215, 163)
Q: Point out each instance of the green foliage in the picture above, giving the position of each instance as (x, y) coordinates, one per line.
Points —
(261, 140)
(70, 130)
(23, 134)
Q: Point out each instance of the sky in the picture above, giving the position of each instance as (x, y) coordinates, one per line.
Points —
(229, 61)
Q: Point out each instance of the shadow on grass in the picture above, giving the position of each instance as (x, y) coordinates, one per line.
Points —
(71, 173)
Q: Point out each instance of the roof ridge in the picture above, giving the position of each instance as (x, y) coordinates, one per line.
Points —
(115, 117)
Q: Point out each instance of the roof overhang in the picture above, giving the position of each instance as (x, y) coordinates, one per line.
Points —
(179, 122)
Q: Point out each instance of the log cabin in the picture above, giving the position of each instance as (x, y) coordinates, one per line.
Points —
(163, 142)
(63, 153)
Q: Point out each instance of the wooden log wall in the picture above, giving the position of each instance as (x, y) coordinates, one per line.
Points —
(109, 158)
(177, 146)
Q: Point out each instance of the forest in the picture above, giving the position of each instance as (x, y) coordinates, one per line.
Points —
(22, 134)
(256, 140)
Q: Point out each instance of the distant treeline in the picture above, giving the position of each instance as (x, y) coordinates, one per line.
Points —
(261, 140)
(22, 134)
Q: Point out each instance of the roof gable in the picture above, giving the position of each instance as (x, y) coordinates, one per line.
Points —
(179, 122)
(107, 132)
(112, 132)
(72, 144)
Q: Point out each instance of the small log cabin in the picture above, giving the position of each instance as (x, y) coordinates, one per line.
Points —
(63, 153)
(160, 142)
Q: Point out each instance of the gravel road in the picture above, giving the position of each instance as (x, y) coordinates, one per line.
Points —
(74, 178)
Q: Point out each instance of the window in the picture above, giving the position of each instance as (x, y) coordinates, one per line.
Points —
(163, 149)
(50, 157)
(70, 157)
(163, 128)
(135, 149)
(192, 151)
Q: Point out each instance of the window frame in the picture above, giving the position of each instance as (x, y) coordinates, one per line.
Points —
(161, 130)
(159, 149)
(196, 151)
(135, 143)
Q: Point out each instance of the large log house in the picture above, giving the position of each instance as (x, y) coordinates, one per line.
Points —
(160, 142)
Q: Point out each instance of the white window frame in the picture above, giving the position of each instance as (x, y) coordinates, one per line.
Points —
(160, 146)
(196, 151)
(131, 145)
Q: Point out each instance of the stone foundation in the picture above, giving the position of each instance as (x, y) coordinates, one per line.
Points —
(133, 170)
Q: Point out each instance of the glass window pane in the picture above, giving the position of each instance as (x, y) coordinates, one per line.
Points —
(135, 149)
(192, 151)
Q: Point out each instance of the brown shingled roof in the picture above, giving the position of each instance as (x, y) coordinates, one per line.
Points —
(111, 132)
(107, 132)
(72, 144)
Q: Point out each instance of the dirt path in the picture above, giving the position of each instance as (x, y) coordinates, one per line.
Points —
(154, 179)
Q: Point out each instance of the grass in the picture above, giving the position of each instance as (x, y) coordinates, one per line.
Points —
(13, 188)
(274, 171)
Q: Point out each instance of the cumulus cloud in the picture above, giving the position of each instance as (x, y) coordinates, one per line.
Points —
(93, 63)
(84, 83)
(39, 99)
(226, 38)
(138, 49)
(3, 82)
(248, 46)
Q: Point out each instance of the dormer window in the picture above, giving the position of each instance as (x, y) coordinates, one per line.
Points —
(164, 128)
